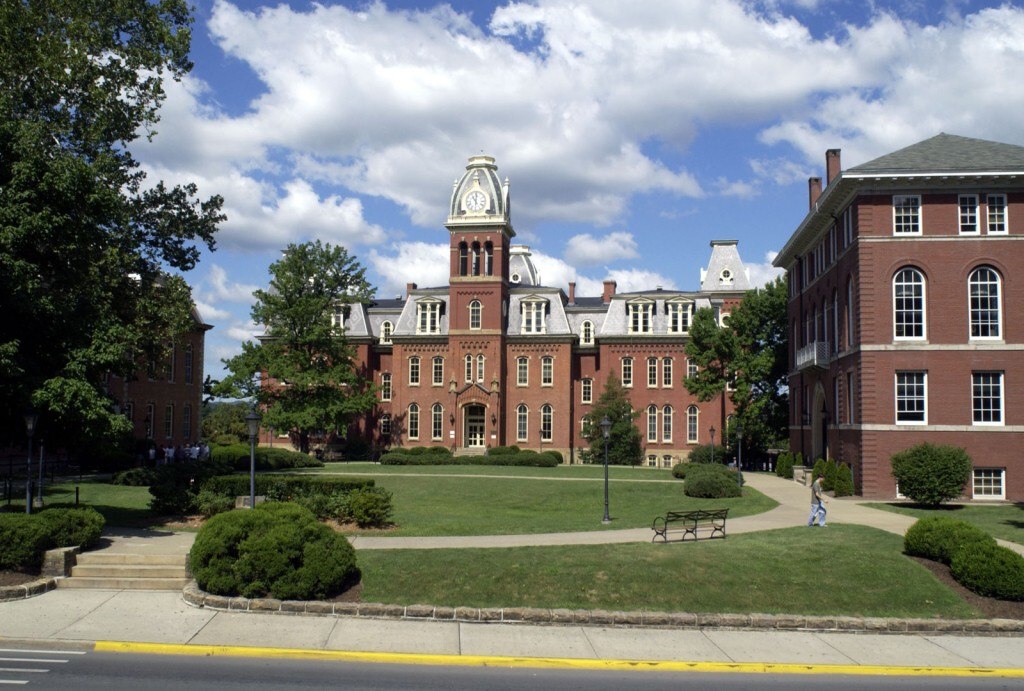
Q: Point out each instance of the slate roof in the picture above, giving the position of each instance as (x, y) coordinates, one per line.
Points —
(946, 153)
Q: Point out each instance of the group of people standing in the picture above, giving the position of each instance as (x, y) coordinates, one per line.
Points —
(161, 455)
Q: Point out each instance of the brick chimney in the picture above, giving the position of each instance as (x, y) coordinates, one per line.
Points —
(609, 290)
(409, 287)
(813, 192)
(572, 292)
(832, 166)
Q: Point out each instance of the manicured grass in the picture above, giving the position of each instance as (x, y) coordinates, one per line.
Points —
(441, 505)
(1005, 521)
(844, 570)
(119, 504)
(561, 471)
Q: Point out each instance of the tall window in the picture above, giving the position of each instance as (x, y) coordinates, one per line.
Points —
(652, 372)
(997, 213)
(835, 321)
(691, 368)
(906, 214)
(169, 420)
(533, 317)
(186, 422)
(150, 419)
(522, 371)
(627, 371)
(587, 391)
(474, 314)
(849, 312)
(546, 422)
(911, 398)
(338, 315)
(414, 371)
(983, 287)
(463, 259)
(488, 257)
(428, 317)
(691, 424)
(469, 368)
(666, 372)
(908, 304)
(968, 213)
(522, 422)
(385, 425)
(639, 317)
(987, 398)
(652, 423)
(414, 421)
(547, 370)
(480, 360)
(666, 423)
(587, 333)
(679, 314)
(849, 397)
(475, 258)
(436, 421)
(438, 371)
(385, 332)
(188, 363)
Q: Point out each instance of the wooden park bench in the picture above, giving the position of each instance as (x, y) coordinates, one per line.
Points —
(689, 522)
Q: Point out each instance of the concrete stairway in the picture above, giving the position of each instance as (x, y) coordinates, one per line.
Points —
(127, 571)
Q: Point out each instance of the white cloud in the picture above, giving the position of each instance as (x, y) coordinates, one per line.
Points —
(631, 280)
(587, 250)
(422, 263)
(208, 312)
(222, 288)
(782, 171)
(247, 331)
(763, 273)
(743, 189)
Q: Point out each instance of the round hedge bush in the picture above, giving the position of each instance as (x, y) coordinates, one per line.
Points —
(23, 541)
(931, 474)
(71, 527)
(278, 549)
(991, 570)
(939, 538)
(711, 481)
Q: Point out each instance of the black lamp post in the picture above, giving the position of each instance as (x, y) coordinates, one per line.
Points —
(739, 454)
(31, 418)
(39, 490)
(712, 431)
(252, 421)
(606, 432)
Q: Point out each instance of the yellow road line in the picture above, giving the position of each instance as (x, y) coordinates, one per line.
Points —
(552, 662)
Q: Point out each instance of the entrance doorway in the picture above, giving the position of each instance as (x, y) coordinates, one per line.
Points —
(473, 432)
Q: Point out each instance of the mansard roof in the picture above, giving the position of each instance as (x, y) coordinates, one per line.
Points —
(947, 153)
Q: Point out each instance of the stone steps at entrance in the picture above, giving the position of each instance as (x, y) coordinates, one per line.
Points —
(471, 451)
(128, 571)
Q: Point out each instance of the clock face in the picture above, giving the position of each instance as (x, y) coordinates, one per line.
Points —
(476, 201)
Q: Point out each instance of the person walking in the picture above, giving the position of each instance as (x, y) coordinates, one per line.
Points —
(818, 501)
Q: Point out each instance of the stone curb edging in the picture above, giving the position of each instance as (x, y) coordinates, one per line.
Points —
(27, 590)
(664, 620)
(57, 563)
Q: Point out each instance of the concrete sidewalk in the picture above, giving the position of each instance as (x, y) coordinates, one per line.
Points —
(64, 616)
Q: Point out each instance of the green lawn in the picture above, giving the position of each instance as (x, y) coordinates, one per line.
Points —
(845, 570)
(119, 504)
(562, 471)
(442, 505)
(1005, 521)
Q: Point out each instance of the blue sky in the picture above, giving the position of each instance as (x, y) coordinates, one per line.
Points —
(632, 133)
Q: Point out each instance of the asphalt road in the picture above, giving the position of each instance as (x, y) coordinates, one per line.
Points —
(57, 669)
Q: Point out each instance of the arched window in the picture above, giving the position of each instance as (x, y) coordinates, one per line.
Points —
(546, 422)
(469, 368)
(414, 421)
(986, 313)
(463, 259)
(480, 368)
(908, 304)
(691, 424)
(652, 423)
(488, 258)
(385, 332)
(587, 333)
(436, 421)
(474, 314)
(522, 422)
(666, 423)
(385, 425)
(475, 249)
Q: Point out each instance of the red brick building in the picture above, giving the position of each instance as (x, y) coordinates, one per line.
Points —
(496, 358)
(904, 278)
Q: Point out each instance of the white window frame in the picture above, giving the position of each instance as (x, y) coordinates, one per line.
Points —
(414, 421)
(169, 421)
(547, 371)
(666, 372)
(627, 372)
(428, 317)
(467, 366)
(996, 216)
(385, 425)
(189, 363)
(481, 361)
(414, 370)
(522, 422)
(691, 368)
(666, 423)
(385, 386)
(981, 393)
(587, 391)
(534, 315)
(436, 422)
(967, 214)
(849, 398)
(680, 315)
(640, 317)
(587, 333)
(652, 373)
(692, 424)
(898, 302)
(652, 423)
(902, 397)
(437, 371)
(978, 482)
(547, 422)
(386, 329)
(522, 371)
(975, 312)
(906, 215)
(186, 422)
(475, 315)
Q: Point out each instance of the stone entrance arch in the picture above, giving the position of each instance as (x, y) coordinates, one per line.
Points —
(474, 426)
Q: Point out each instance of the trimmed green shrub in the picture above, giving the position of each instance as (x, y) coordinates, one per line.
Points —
(828, 478)
(844, 481)
(990, 569)
(176, 485)
(711, 485)
(23, 540)
(931, 474)
(370, 507)
(939, 538)
(819, 471)
(267, 458)
(277, 550)
(208, 503)
(503, 450)
(679, 470)
(545, 459)
(784, 466)
(702, 454)
(559, 458)
(71, 527)
(135, 477)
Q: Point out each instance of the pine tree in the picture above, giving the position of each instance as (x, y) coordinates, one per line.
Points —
(624, 443)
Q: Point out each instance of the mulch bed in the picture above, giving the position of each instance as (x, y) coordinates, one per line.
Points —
(17, 577)
(989, 606)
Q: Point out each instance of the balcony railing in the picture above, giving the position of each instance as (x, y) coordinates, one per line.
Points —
(812, 355)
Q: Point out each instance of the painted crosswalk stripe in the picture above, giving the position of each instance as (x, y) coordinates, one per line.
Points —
(25, 651)
(13, 681)
(26, 670)
(29, 659)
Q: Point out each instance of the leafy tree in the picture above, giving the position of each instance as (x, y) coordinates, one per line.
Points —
(302, 371)
(85, 239)
(224, 418)
(624, 443)
(750, 353)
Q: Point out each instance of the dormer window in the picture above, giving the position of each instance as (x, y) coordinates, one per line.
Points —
(428, 317)
(338, 316)
(385, 332)
(679, 316)
(534, 312)
(640, 315)
(587, 333)
(726, 277)
(515, 277)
